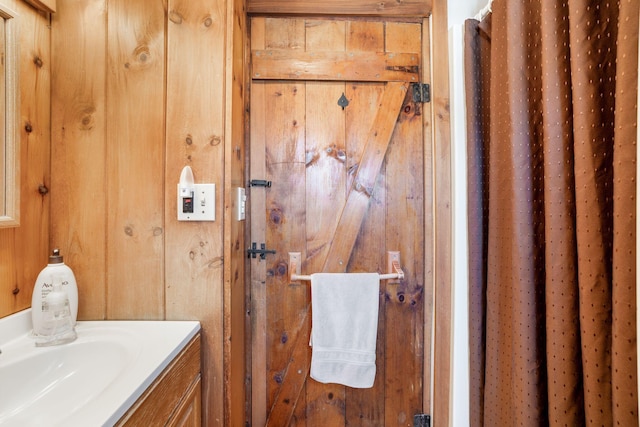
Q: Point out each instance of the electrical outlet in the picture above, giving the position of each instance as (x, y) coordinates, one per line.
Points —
(200, 205)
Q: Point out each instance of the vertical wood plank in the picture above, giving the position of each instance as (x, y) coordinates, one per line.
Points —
(326, 192)
(257, 170)
(442, 203)
(285, 142)
(135, 159)
(405, 232)
(235, 306)
(285, 213)
(429, 208)
(259, 398)
(7, 171)
(365, 407)
(403, 37)
(24, 249)
(78, 178)
(10, 299)
(195, 109)
(258, 269)
(284, 33)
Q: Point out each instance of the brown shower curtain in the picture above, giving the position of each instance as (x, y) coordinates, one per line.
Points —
(551, 101)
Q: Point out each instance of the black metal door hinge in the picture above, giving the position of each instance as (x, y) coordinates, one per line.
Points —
(421, 92)
(263, 251)
(421, 420)
(259, 183)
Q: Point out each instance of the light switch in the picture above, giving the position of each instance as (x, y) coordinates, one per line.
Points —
(241, 204)
(201, 206)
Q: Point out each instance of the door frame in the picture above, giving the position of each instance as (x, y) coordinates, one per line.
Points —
(438, 310)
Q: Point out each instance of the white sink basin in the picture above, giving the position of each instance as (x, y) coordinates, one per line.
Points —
(89, 382)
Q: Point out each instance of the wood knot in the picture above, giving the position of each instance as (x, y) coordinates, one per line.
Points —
(216, 262)
(281, 269)
(175, 17)
(28, 128)
(189, 140)
(38, 61)
(278, 378)
(15, 290)
(157, 231)
(86, 122)
(42, 189)
(363, 189)
(275, 216)
(142, 55)
(310, 157)
(128, 230)
(215, 140)
(207, 21)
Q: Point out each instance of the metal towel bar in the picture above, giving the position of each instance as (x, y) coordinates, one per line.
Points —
(393, 266)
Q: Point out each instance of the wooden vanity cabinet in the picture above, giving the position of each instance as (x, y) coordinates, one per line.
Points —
(174, 398)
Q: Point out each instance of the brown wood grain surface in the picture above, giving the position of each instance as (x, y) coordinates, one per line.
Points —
(411, 8)
(195, 111)
(79, 176)
(284, 64)
(114, 144)
(24, 249)
(346, 186)
(163, 91)
(135, 160)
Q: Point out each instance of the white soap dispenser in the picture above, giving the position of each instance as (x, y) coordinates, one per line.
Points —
(44, 285)
(56, 318)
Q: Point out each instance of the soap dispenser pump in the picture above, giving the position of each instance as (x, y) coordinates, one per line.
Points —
(44, 285)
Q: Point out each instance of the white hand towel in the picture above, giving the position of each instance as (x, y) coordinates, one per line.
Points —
(344, 316)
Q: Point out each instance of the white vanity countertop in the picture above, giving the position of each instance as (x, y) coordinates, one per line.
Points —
(92, 381)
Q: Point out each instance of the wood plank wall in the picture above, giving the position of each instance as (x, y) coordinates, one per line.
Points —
(117, 144)
(142, 89)
(24, 249)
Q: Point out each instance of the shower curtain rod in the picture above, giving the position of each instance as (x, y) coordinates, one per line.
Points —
(484, 11)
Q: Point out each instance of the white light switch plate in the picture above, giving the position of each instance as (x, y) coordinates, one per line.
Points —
(241, 204)
(204, 204)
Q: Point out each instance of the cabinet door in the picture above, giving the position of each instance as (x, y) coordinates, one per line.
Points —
(171, 393)
(188, 414)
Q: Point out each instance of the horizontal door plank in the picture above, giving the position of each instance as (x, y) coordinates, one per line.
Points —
(287, 64)
(407, 8)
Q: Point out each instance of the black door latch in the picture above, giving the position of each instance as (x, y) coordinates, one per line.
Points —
(253, 251)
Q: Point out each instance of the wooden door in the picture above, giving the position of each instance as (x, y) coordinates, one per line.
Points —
(347, 185)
